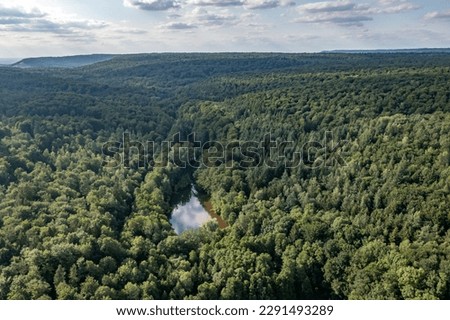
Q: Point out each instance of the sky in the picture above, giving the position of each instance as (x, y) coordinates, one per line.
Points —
(30, 28)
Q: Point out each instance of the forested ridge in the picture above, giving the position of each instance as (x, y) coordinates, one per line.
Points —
(370, 222)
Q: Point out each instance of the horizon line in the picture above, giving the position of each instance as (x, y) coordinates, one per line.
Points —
(18, 59)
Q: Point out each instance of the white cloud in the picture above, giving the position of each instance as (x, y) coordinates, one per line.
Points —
(438, 15)
(349, 13)
(337, 12)
(217, 3)
(20, 20)
(247, 4)
(178, 26)
(206, 18)
(267, 4)
(18, 12)
(152, 5)
(261, 4)
(129, 31)
(327, 6)
(161, 5)
(338, 19)
(395, 6)
(202, 17)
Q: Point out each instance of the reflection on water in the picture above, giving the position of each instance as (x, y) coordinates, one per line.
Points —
(190, 213)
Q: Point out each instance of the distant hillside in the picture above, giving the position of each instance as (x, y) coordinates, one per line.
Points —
(62, 62)
(7, 61)
(421, 50)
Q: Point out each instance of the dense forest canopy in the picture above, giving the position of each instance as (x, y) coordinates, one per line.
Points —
(372, 223)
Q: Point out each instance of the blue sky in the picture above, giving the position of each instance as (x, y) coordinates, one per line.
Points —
(65, 27)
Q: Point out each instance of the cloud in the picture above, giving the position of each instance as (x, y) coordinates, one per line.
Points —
(213, 19)
(247, 4)
(438, 15)
(395, 6)
(160, 5)
(49, 26)
(16, 19)
(10, 20)
(217, 3)
(179, 26)
(261, 4)
(18, 12)
(152, 5)
(17, 16)
(338, 19)
(327, 6)
(201, 17)
(287, 3)
(349, 13)
(344, 13)
(125, 30)
(267, 4)
(83, 24)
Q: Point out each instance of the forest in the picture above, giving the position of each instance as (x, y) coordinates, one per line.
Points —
(363, 214)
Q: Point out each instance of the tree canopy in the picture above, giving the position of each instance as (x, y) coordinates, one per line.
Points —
(363, 213)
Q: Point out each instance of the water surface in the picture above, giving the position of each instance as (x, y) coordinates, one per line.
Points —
(191, 213)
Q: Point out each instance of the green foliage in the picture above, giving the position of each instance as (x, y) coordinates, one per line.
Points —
(372, 227)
